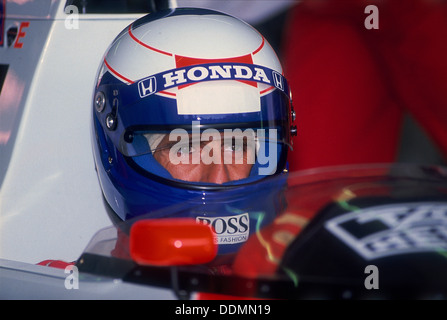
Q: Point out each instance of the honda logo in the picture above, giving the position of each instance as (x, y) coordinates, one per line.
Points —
(278, 80)
(147, 86)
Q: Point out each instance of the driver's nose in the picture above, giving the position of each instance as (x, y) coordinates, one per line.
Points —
(216, 173)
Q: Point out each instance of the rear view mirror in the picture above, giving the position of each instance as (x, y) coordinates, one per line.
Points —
(171, 242)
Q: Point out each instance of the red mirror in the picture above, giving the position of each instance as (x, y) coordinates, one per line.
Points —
(169, 242)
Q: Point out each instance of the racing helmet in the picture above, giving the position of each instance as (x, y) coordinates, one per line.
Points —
(195, 73)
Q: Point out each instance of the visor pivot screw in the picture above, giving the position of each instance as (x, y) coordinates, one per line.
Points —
(110, 159)
(111, 122)
(100, 101)
(128, 137)
(293, 130)
(293, 114)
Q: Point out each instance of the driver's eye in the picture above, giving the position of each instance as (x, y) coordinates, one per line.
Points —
(233, 145)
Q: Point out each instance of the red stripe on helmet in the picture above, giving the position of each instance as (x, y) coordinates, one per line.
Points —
(145, 45)
(116, 73)
(260, 47)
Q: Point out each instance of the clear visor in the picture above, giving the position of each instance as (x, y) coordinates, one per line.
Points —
(207, 148)
(181, 141)
(210, 155)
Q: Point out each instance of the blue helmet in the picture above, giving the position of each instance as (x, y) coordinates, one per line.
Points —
(194, 73)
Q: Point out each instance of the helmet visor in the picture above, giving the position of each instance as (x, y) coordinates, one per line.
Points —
(246, 152)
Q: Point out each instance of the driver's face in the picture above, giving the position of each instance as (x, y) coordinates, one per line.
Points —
(212, 161)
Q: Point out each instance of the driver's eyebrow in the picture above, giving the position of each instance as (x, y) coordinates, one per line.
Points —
(167, 143)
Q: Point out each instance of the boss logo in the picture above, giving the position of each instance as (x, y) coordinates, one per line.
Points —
(229, 230)
(147, 86)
